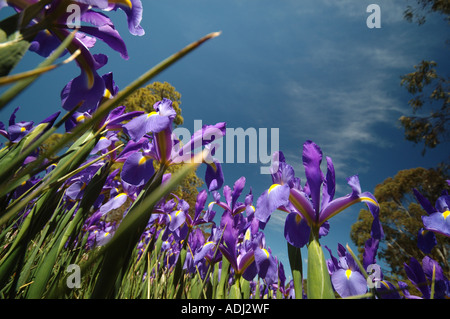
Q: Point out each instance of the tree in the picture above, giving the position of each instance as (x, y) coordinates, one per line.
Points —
(400, 216)
(144, 98)
(424, 7)
(427, 87)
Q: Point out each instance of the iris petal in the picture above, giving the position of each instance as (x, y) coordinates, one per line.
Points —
(348, 283)
(312, 158)
(137, 169)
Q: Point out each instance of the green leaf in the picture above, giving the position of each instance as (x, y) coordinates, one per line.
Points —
(295, 261)
(235, 291)
(222, 287)
(12, 46)
(319, 282)
(15, 36)
(132, 226)
(245, 288)
(20, 85)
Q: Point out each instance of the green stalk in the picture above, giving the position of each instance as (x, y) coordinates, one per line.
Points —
(319, 282)
(222, 287)
(235, 290)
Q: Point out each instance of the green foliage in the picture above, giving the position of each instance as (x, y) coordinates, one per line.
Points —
(319, 282)
(427, 86)
(37, 226)
(400, 215)
(428, 6)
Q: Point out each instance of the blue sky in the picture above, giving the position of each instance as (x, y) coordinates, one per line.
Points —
(313, 69)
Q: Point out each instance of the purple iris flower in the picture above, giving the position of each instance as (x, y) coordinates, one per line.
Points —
(231, 197)
(159, 120)
(199, 206)
(15, 131)
(266, 263)
(346, 277)
(240, 255)
(133, 10)
(438, 219)
(86, 90)
(317, 208)
(277, 196)
(370, 252)
(76, 184)
(196, 240)
(178, 217)
(117, 200)
(421, 277)
(311, 206)
(137, 169)
(164, 148)
(426, 240)
(214, 175)
(208, 250)
(100, 235)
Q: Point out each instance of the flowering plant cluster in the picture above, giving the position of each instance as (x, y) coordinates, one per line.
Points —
(106, 206)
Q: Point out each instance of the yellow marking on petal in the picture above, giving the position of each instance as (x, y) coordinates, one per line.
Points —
(356, 200)
(208, 242)
(301, 209)
(22, 129)
(90, 77)
(80, 118)
(385, 284)
(143, 160)
(348, 273)
(178, 212)
(213, 165)
(266, 252)
(368, 199)
(124, 2)
(121, 194)
(248, 234)
(210, 204)
(151, 114)
(162, 146)
(273, 187)
(298, 218)
(107, 94)
(106, 234)
(23, 183)
(103, 138)
(446, 214)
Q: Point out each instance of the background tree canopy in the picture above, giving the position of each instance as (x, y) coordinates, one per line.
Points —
(427, 86)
